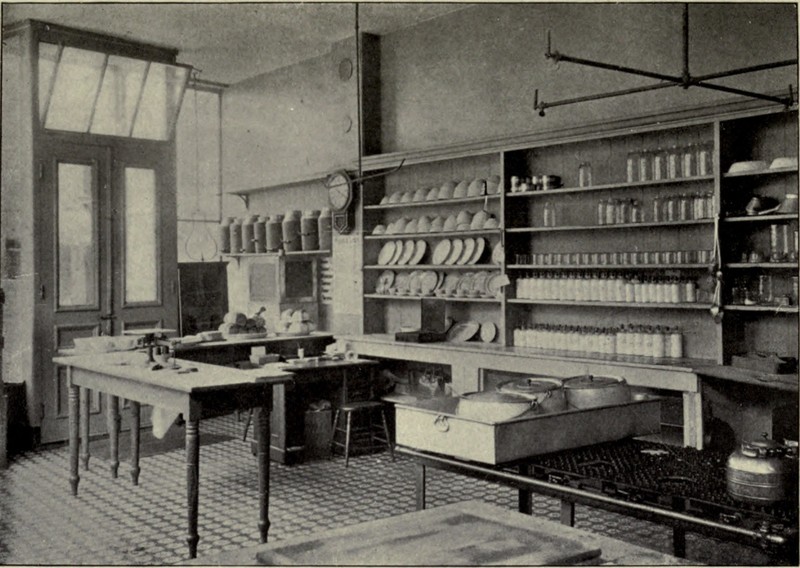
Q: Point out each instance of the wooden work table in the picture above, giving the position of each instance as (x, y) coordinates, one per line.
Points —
(207, 390)
(232, 350)
(469, 361)
(472, 533)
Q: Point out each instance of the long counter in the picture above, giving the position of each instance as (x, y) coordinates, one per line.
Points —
(469, 361)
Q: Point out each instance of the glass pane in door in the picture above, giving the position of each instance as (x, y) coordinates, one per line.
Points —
(77, 236)
(141, 236)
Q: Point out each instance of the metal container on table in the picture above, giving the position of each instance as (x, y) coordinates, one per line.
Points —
(762, 472)
(260, 235)
(436, 425)
(248, 233)
(309, 230)
(274, 230)
(324, 226)
(236, 236)
(224, 235)
(547, 393)
(291, 231)
(593, 391)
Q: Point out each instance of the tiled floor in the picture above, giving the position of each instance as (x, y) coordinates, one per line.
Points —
(114, 522)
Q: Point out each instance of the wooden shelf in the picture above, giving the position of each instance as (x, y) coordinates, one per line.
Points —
(433, 267)
(608, 186)
(617, 226)
(441, 234)
(293, 254)
(438, 298)
(762, 218)
(766, 172)
(769, 309)
(695, 266)
(762, 265)
(457, 201)
(637, 305)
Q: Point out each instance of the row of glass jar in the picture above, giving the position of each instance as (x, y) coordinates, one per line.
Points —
(624, 258)
(290, 232)
(672, 163)
(683, 207)
(594, 287)
(763, 291)
(656, 342)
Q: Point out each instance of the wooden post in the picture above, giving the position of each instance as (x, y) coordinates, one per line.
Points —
(192, 483)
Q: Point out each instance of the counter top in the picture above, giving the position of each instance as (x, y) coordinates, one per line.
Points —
(271, 338)
(680, 365)
(788, 382)
(132, 365)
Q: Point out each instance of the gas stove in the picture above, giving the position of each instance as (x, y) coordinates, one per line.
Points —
(667, 477)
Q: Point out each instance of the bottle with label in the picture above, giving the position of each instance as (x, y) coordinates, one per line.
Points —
(688, 165)
(673, 163)
(585, 175)
(632, 167)
(659, 165)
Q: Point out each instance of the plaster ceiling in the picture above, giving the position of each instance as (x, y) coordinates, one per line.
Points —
(231, 42)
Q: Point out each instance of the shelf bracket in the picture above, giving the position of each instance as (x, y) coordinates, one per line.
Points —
(245, 199)
(685, 80)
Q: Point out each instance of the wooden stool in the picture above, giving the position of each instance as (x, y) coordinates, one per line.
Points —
(377, 432)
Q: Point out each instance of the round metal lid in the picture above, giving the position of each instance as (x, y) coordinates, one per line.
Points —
(489, 396)
(593, 382)
(530, 385)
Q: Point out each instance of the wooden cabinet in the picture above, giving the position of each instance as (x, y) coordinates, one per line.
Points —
(448, 212)
(625, 253)
(645, 234)
(759, 251)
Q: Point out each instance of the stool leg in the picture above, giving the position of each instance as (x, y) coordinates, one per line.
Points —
(333, 432)
(347, 439)
(386, 433)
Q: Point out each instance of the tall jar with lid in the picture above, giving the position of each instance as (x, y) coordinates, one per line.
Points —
(235, 232)
(291, 231)
(309, 230)
(274, 229)
(260, 234)
(324, 224)
(248, 233)
(224, 235)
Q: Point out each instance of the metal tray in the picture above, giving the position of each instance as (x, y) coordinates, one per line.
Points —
(433, 425)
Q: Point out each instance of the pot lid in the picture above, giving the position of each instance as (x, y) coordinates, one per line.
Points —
(593, 382)
(762, 448)
(530, 385)
(490, 396)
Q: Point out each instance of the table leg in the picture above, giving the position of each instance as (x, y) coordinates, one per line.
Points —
(84, 418)
(74, 436)
(679, 542)
(192, 482)
(263, 434)
(419, 482)
(135, 425)
(113, 433)
(567, 513)
(525, 503)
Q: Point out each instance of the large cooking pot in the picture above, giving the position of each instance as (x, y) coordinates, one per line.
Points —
(592, 391)
(762, 472)
(488, 406)
(547, 393)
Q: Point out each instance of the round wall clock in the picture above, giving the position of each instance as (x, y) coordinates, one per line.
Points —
(340, 197)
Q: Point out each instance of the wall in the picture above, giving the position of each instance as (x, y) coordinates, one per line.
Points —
(472, 74)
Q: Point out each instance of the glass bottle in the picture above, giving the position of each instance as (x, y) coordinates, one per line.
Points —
(585, 174)
(765, 296)
(636, 212)
(656, 209)
(705, 158)
(632, 167)
(601, 212)
(645, 166)
(675, 343)
(610, 211)
(548, 214)
(659, 160)
(683, 207)
(688, 166)
(673, 163)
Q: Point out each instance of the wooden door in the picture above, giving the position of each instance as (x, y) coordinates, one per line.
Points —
(108, 264)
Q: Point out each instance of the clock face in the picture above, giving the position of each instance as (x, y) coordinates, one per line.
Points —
(340, 191)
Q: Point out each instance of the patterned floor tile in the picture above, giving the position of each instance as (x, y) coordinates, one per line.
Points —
(113, 522)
